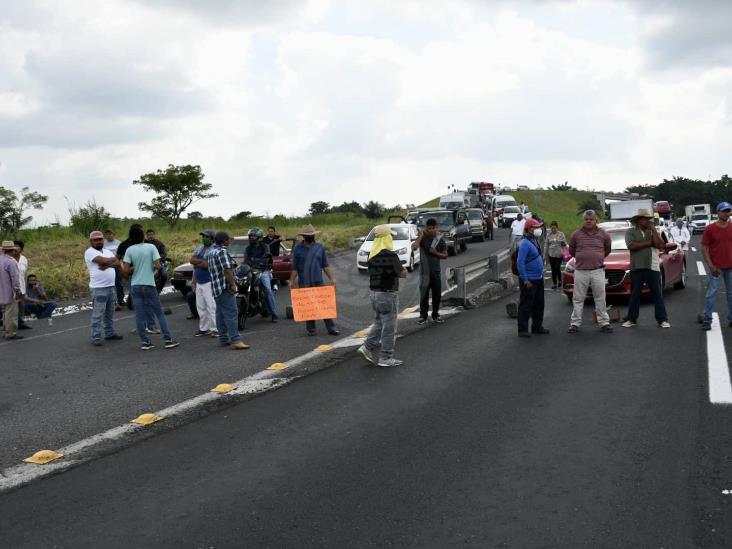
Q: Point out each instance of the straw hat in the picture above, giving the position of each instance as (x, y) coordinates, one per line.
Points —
(8, 245)
(308, 230)
(641, 213)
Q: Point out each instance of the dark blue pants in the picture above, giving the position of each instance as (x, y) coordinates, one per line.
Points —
(531, 305)
(653, 281)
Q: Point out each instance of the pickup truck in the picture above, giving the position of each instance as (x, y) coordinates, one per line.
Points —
(453, 226)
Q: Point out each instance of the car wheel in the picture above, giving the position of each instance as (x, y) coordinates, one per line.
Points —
(410, 267)
(243, 309)
(681, 284)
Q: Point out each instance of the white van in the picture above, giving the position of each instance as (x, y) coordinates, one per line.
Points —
(406, 233)
(501, 201)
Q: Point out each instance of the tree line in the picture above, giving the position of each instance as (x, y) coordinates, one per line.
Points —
(682, 191)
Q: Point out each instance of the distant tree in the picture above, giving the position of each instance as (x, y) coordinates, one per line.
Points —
(563, 187)
(317, 208)
(89, 217)
(348, 207)
(13, 207)
(590, 204)
(195, 215)
(240, 216)
(373, 210)
(176, 188)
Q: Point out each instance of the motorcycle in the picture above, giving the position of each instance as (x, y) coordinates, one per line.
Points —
(250, 297)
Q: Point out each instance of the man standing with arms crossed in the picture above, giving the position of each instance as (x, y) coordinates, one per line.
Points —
(101, 263)
(431, 250)
(589, 245)
(717, 250)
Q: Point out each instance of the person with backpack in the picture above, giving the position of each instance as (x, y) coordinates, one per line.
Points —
(530, 267)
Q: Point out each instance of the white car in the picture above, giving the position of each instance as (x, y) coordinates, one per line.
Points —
(406, 233)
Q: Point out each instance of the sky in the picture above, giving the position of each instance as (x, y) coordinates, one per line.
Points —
(285, 102)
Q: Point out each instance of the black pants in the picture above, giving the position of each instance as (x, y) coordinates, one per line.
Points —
(556, 264)
(489, 232)
(435, 286)
(310, 324)
(531, 305)
(119, 285)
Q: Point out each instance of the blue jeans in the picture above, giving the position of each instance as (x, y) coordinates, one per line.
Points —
(41, 311)
(147, 305)
(226, 318)
(102, 308)
(653, 281)
(383, 332)
(713, 283)
(268, 293)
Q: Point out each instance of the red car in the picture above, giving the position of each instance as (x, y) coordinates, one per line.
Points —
(617, 267)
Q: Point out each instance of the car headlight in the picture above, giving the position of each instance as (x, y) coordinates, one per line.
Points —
(363, 254)
(401, 251)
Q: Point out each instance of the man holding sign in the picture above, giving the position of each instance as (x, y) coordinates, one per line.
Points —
(309, 262)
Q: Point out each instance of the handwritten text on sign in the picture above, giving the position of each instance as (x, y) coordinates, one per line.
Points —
(313, 303)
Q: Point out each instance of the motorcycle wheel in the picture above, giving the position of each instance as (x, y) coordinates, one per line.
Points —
(242, 310)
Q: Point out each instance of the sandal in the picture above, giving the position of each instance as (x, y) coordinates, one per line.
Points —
(573, 329)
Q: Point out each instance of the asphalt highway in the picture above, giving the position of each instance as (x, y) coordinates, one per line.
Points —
(58, 389)
(481, 439)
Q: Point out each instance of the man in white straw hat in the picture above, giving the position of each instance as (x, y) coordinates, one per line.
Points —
(10, 292)
(644, 243)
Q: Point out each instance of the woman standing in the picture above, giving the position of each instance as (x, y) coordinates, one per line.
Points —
(554, 252)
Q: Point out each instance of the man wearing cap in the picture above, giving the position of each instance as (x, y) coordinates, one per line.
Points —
(101, 263)
(530, 264)
(201, 287)
(309, 262)
(223, 287)
(10, 292)
(385, 270)
(717, 250)
(644, 243)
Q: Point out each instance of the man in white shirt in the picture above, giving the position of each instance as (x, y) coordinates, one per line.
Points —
(101, 264)
(517, 230)
(681, 235)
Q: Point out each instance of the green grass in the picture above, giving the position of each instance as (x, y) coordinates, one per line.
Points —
(559, 206)
(434, 203)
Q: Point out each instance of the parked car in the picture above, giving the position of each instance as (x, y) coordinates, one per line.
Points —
(478, 223)
(617, 267)
(508, 215)
(406, 233)
(281, 264)
(452, 225)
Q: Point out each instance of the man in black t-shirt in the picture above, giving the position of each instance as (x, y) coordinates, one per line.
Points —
(432, 249)
(385, 270)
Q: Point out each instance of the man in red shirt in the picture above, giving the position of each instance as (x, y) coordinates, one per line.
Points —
(717, 249)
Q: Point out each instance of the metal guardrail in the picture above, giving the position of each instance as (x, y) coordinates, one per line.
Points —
(459, 277)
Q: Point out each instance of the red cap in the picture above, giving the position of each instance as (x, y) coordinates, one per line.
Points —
(531, 223)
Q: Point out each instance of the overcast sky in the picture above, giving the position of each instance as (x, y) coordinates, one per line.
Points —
(283, 103)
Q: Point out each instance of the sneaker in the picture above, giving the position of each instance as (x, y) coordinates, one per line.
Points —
(364, 352)
(606, 329)
(524, 334)
(200, 333)
(24, 327)
(192, 317)
(170, 343)
(213, 333)
(572, 329)
(153, 331)
(706, 327)
(540, 331)
(334, 332)
(664, 324)
(238, 345)
(311, 332)
(16, 336)
(115, 337)
(97, 342)
(438, 320)
(275, 318)
(146, 346)
(629, 323)
(275, 288)
(422, 320)
(390, 362)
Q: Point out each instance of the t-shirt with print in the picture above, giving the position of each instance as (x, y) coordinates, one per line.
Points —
(98, 278)
(719, 240)
(142, 257)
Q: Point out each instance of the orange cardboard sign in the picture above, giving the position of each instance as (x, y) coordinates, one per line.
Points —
(313, 303)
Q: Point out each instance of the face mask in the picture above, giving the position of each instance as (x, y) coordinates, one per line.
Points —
(679, 225)
(309, 239)
(206, 242)
(537, 232)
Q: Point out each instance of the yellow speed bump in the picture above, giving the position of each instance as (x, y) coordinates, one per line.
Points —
(43, 456)
(278, 366)
(362, 334)
(324, 348)
(146, 419)
(223, 388)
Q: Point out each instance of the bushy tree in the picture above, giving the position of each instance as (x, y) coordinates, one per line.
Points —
(240, 216)
(13, 207)
(373, 210)
(195, 215)
(317, 208)
(348, 207)
(89, 217)
(177, 187)
(563, 187)
(590, 204)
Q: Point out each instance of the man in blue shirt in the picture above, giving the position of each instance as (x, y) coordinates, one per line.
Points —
(140, 263)
(309, 262)
(259, 256)
(37, 301)
(201, 287)
(531, 281)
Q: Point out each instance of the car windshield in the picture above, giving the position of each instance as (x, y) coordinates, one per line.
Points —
(442, 218)
(402, 233)
(618, 240)
(699, 216)
(511, 209)
(504, 203)
(475, 215)
(238, 245)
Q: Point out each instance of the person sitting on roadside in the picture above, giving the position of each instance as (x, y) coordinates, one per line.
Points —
(531, 280)
(517, 230)
(36, 300)
(258, 256)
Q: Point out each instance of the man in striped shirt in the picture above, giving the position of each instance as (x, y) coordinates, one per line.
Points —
(221, 268)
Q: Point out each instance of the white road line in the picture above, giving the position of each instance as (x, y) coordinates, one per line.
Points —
(700, 268)
(720, 387)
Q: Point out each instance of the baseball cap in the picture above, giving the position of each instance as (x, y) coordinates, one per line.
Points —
(532, 223)
(724, 206)
(221, 236)
(208, 233)
(95, 234)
